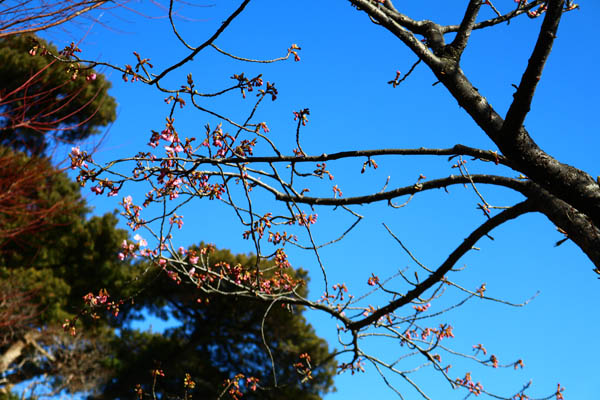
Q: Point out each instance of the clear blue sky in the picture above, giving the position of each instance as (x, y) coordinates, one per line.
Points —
(346, 62)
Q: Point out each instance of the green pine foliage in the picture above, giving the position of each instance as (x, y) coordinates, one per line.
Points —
(216, 338)
(213, 340)
(59, 105)
(45, 272)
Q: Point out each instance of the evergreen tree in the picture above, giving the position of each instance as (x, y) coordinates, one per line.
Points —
(45, 274)
(42, 100)
(216, 337)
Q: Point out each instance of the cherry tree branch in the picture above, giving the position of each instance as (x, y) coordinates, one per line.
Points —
(570, 184)
(466, 26)
(523, 9)
(511, 183)
(198, 49)
(576, 225)
(456, 150)
(522, 98)
(497, 220)
(402, 27)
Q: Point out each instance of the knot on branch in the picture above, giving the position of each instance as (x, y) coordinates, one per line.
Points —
(434, 38)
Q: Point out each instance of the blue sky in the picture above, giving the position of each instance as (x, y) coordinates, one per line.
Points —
(345, 64)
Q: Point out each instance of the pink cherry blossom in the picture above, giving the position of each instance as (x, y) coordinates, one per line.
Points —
(141, 241)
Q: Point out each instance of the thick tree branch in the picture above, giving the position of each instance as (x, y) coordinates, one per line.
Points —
(397, 24)
(522, 98)
(390, 5)
(15, 350)
(506, 215)
(402, 19)
(570, 184)
(514, 184)
(577, 225)
(456, 150)
(466, 26)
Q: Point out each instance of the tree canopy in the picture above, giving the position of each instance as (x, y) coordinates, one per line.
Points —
(214, 336)
(42, 101)
(27, 16)
(45, 274)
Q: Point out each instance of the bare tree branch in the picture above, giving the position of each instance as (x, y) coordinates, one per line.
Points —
(466, 26)
(570, 184)
(578, 226)
(498, 20)
(198, 49)
(456, 150)
(506, 215)
(397, 24)
(407, 190)
(522, 98)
